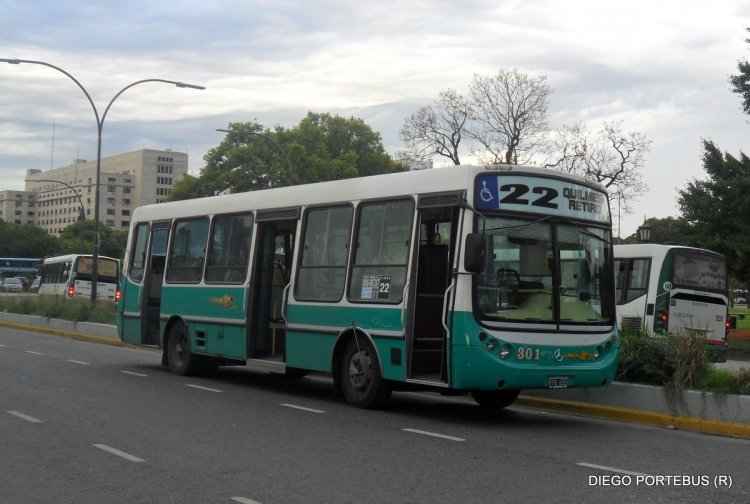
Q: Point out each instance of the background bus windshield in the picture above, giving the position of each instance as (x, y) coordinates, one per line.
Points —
(106, 269)
(699, 271)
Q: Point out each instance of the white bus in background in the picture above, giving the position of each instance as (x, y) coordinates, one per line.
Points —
(70, 276)
(673, 289)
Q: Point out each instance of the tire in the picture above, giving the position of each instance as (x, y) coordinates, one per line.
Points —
(496, 399)
(359, 372)
(180, 359)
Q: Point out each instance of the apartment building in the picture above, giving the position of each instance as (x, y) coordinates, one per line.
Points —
(18, 207)
(54, 198)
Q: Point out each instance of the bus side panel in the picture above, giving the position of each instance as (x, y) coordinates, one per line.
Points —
(310, 350)
(215, 317)
(314, 349)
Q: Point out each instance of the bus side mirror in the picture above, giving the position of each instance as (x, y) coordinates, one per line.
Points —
(474, 253)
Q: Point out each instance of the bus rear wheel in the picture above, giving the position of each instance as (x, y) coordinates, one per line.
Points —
(495, 399)
(361, 382)
(179, 357)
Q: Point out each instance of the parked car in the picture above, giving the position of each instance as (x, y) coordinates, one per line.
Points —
(25, 282)
(34, 287)
(11, 285)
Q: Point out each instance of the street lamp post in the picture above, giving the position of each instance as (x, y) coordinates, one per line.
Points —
(644, 231)
(99, 125)
(81, 216)
(283, 152)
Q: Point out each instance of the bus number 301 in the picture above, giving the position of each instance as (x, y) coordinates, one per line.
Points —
(527, 353)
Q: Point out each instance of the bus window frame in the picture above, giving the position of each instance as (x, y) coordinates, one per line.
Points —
(170, 252)
(301, 252)
(355, 249)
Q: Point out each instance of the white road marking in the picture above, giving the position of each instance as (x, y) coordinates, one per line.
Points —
(203, 388)
(311, 410)
(25, 417)
(34, 353)
(78, 362)
(244, 500)
(115, 451)
(133, 373)
(2, 346)
(434, 434)
(611, 469)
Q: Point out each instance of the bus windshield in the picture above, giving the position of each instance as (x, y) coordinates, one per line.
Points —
(699, 271)
(106, 271)
(544, 271)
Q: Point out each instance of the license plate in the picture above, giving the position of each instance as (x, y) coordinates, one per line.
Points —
(558, 382)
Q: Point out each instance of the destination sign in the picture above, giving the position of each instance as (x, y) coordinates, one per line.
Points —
(547, 196)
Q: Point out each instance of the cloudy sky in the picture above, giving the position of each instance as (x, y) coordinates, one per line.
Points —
(660, 66)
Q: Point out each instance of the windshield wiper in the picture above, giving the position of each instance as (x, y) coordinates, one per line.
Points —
(586, 230)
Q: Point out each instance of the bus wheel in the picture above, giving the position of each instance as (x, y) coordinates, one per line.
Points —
(181, 360)
(361, 381)
(496, 399)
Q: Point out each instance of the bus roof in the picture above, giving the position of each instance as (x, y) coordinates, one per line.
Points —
(654, 250)
(70, 257)
(376, 186)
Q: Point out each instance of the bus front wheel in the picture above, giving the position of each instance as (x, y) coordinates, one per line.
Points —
(361, 382)
(495, 399)
(180, 359)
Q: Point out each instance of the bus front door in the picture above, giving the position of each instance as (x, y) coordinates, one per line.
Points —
(271, 276)
(428, 345)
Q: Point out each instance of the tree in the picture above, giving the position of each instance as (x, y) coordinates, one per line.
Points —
(509, 116)
(26, 240)
(717, 209)
(741, 82)
(322, 147)
(79, 238)
(437, 130)
(668, 230)
(613, 158)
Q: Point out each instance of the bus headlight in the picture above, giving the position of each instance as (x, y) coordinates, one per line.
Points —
(505, 351)
(597, 352)
(491, 345)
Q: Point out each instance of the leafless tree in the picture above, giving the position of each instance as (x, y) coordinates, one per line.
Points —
(509, 118)
(612, 158)
(437, 129)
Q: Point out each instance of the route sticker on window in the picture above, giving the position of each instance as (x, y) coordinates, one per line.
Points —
(376, 287)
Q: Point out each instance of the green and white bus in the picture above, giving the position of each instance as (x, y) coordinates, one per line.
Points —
(475, 279)
(69, 276)
(672, 289)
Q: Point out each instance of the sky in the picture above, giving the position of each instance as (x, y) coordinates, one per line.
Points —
(659, 66)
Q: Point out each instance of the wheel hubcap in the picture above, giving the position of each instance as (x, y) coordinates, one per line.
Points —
(360, 371)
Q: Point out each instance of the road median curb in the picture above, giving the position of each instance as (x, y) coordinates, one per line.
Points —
(725, 428)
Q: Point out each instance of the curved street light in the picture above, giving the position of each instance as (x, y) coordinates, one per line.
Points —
(81, 215)
(288, 163)
(99, 125)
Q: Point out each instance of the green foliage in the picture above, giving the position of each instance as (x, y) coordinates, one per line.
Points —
(674, 230)
(322, 147)
(725, 382)
(79, 238)
(717, 209)
(676, 361)
(741, 82)
(26, 241)
(78, 310)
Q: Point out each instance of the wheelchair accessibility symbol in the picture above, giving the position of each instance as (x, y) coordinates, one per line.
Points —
(485, 194)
